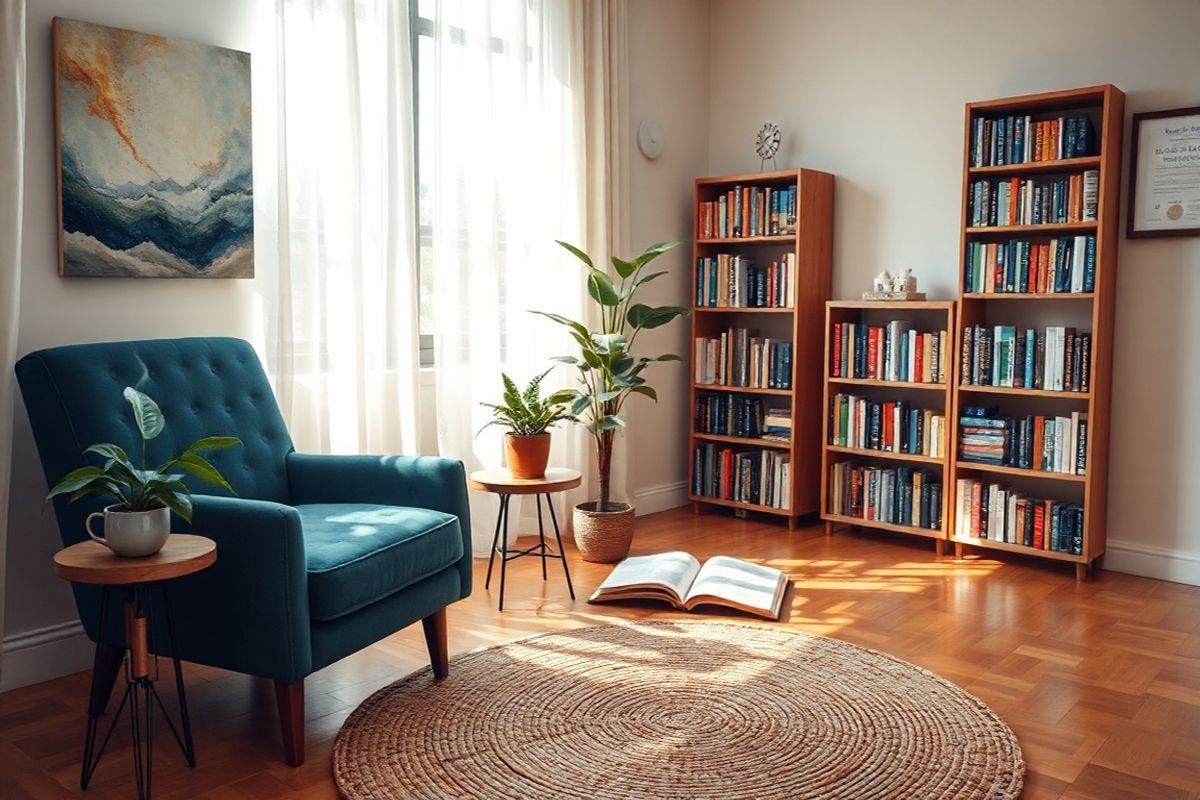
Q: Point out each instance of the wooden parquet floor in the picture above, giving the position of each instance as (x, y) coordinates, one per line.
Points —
(1100, 680)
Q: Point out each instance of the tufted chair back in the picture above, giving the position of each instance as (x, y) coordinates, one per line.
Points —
(205, 387)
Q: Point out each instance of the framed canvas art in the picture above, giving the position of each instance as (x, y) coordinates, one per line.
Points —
(154, 160)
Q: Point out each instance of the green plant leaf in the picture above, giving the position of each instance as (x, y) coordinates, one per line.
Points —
(109, 451)
(196, 465)
(146, 413)
(575, 251)
(611, 422)
(180, 503)
(577, 327)
(654, 251)
(667, 357)
(646, 317)
(633, 287)
(572, 360)
(624, 268)
(581, 404)
(646, 390)
(601, 288)
(212, 443)
(75, 480)
(604, 397)
(563, 396)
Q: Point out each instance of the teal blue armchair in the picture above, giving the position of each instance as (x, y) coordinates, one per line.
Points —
(317, 556)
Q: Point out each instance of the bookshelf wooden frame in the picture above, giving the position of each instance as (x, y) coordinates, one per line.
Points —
(852, 311)
(812, 247)
(1106, 104)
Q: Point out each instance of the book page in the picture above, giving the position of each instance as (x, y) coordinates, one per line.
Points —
(743, 584)
(673, 571)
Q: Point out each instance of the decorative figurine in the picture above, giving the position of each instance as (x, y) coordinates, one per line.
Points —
(894, 286)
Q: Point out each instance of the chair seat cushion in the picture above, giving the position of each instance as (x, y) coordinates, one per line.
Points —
(357, 554)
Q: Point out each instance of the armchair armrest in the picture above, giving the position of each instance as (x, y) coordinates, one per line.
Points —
(438, 484)
(249, 611)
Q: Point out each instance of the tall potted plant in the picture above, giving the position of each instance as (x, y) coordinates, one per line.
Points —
(609, 373)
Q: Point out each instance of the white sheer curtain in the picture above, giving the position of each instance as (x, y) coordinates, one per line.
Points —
(12, 161)
(344, 346)
(504, 167)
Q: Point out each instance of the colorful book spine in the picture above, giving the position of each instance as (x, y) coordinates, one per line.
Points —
(893, 426)
(755, 477)
(891, 352)
(748, 212)
(1021, 139)
(1053, 359)
(735, 281)
(892, 495)
(1034, 442)
(1023, 266)
(1001, 513)
(738, 357)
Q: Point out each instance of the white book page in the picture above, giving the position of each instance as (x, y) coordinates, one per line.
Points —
(738, 581)
(675, 571)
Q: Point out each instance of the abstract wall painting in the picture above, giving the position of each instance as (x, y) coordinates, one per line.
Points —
(153, 137)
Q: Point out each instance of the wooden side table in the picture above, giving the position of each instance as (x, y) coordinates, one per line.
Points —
(502, 482)
(93, 563)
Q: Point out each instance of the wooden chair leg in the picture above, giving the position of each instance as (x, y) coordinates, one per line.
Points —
(435, 640)
(289, 697)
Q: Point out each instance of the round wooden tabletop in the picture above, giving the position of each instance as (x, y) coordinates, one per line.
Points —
(501, 481)
(92, 562)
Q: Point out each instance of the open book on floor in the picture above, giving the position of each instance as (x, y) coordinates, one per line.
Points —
(679, 579)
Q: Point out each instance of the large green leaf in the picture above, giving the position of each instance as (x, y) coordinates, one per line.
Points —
(146, 413)
(646, 317)
(581, 404)
(179, 502)
(607, 343)
(575, 251)
(212, 443)
(197, 466)
(612, 422)
(624, 268)
(577, 327)
(601, 288)
(563, 396)
(646, 390)
(654, 251)
(75, 480)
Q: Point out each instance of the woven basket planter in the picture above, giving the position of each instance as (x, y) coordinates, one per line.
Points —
(603, 537)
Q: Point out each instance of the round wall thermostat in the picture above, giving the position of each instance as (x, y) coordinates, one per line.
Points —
(650, 139)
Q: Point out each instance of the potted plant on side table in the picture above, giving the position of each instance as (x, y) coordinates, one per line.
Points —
(609, 373)
(140, 521)
(528, 418)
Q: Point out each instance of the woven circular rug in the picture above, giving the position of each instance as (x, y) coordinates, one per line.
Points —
(677, 710)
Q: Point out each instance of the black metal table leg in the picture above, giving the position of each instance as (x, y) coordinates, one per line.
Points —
(504, 547)
(561, 553)
(537, 498)
(189, 747)
(487, 584)
(95, 705)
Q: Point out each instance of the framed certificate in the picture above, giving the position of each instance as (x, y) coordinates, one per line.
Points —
(1164, 176)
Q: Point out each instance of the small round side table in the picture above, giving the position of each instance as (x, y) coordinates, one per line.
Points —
(502, 482)
(93, 563)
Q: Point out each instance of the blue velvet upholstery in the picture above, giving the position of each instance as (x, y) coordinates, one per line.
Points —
(317, 556)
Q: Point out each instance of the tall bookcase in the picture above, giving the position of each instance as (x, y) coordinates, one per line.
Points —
(798, 321)
(928, 392)
(1086, 311)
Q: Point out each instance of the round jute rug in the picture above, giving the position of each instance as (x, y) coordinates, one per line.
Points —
(677, 710)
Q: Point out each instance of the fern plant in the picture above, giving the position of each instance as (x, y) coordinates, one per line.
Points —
(526, 413)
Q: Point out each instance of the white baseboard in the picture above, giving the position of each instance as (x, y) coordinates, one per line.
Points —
(44, 653)
(1179, 566)
(653, 499)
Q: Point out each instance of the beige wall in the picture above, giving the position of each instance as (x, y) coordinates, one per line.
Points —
(874, 92)
(668, 76)
(41, 624)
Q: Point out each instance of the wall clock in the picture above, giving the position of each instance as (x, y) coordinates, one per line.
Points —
(766, 143)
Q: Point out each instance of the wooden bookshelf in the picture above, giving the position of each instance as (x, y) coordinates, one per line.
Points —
(926, 317)
(811, 246)
(1105, 106)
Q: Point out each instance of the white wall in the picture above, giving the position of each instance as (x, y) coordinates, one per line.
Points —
(668, 76)
(41, 624)
(873, 91)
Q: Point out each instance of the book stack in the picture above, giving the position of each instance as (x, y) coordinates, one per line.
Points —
(777, 424)
(733, 281)
(892, 352)
(739, 358)
(731, 415)
(1034, 201)
(1044, 443)
(1022, 139)
(889, 426)
(759, 477)
(1019, 265)
(993, 511)
(1055, 359)
(896, 496)
(745, 211)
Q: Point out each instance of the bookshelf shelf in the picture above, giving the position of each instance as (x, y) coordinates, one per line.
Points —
(712, 387)
(1104, 108)
(1048, 228)
(807, 252)
(1035, 167)
(1018, 472)
(933, 387)
(932, 316)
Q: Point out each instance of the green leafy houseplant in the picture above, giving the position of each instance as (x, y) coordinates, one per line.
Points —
(138, 488)
(609, 372)
(525, 413)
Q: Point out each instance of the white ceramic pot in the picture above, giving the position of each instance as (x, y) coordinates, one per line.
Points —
(132, 534)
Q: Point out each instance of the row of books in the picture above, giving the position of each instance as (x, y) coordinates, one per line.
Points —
(889, 426)
(1056, 358)
(1021, 139)
(748, 211)
(1034, 201)
(892, 352)
(899, 495)
(992, 511)
(1061, 265)
(760, 477)
(1044, 443)
(734, 415)
(739, 358)
(732, 281)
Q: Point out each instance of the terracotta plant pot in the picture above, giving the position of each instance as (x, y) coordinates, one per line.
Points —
(527, 455)
(603, 537)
